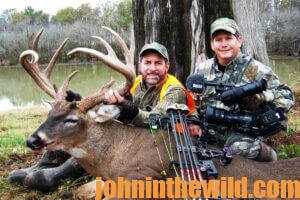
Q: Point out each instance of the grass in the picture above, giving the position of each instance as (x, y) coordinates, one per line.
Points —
(288, 151)
(15, 126)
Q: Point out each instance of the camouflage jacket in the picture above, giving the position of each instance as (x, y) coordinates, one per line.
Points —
(148, 101)
(242, 70)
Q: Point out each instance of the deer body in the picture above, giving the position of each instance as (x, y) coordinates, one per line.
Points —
(277, 170)
(126, 151)
(109, 149)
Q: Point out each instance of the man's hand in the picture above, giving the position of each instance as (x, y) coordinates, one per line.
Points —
(113, 97)
(195, 130)
(128, 109)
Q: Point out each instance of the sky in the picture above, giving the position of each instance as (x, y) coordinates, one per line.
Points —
(47, 6)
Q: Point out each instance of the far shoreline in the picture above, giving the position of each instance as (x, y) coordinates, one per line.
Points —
(283, 57)
(271, 56)
(57, 64)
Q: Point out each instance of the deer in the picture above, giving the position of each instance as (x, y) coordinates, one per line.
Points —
(106, 148)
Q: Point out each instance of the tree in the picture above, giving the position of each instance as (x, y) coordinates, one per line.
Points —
(30, 15)
(6, 19)
(66, 15)
(123, 14)
(281, 19)
(183, 27)
(118, 16)
(166, 22)
(248, 19)
(85, 13)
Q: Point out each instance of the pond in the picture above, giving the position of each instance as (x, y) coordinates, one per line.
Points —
(17, 89)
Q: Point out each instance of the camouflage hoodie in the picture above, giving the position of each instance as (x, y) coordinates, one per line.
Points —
(242, 70)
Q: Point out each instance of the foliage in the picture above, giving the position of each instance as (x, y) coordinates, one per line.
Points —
(18, 30)
(281, 20)
(30, 15)
(123, 15)
(65, 16)
(288, 151)
(86, 14)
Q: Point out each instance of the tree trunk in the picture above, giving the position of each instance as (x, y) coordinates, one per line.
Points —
(214, 9)
(198, 54)
(151, 23)
(183, 26)
(138, 12)
(176, 24)
(247, 17)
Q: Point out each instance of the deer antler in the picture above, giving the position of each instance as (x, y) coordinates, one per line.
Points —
(112, 61)
(42, 78)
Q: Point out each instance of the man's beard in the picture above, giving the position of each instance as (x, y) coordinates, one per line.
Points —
(153, 79)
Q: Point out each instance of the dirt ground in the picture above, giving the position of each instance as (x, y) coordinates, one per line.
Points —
(16, 192)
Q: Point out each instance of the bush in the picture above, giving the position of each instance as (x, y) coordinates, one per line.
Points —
(18, 37)
(288, 151)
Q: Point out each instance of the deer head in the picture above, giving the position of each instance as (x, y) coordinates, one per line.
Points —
(68, 119)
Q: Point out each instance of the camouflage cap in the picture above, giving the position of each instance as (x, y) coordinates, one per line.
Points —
(226, 24)
(161, 49)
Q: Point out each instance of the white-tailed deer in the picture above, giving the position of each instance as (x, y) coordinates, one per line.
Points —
(111, 149)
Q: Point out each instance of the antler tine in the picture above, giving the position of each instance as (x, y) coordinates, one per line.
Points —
(33, 70)
(113, 63)
(132, 49)
(42, 78)
(109, 49)
(122, 44)
(36, 40)
(50, 66)
(62, 91)
(91, 101)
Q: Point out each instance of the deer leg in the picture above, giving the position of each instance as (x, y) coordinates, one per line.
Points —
(48, 179)
(251, 148)
(266, 154)
(48, 160)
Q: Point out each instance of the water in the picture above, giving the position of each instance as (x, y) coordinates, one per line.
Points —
(288, 71)
(17, 89)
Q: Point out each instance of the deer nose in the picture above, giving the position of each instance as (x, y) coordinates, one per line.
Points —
(34, 142)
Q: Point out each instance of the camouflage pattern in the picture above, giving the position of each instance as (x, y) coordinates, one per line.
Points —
(242, 70)
(226, 24)
(161, 49)
(148, 101)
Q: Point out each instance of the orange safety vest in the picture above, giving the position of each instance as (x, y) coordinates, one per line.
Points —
(171, 80)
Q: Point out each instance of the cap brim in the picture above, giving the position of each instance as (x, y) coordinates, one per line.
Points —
(153, 49)
(219, 28)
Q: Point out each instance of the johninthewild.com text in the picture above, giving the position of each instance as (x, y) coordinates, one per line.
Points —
(224, 187)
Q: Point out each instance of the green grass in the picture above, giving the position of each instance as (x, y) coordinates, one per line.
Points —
(288, 151)
(15, 126)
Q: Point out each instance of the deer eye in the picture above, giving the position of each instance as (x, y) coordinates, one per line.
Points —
(71, 120)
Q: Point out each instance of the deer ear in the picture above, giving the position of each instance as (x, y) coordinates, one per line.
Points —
(48, 104)
(104, 113)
